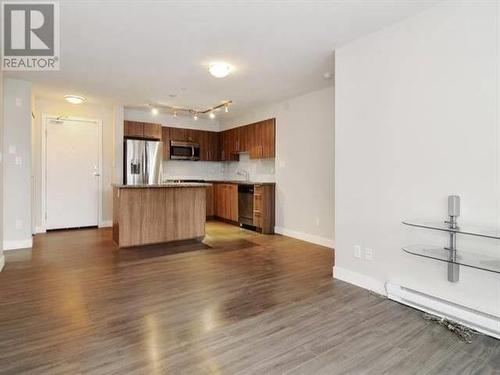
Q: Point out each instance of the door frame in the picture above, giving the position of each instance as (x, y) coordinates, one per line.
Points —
(45, 119)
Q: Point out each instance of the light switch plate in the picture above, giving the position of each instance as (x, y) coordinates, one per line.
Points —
(357, 251)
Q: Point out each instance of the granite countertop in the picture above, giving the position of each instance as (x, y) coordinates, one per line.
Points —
(164, 185)
(242, 182)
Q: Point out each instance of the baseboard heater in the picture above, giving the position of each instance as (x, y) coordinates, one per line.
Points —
(481, 322)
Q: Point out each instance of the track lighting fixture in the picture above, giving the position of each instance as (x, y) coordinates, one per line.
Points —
(155, 109)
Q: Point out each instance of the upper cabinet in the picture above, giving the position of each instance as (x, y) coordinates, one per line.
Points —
(165, 138)
(135, 129)
(258, 139)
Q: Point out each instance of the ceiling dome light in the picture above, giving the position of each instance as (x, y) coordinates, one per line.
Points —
(219, 69)
(211, 115)
(154, 111)
(74, 99)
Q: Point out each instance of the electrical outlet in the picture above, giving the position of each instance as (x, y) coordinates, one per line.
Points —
(357, 251)
(368, 254)
(19, 224)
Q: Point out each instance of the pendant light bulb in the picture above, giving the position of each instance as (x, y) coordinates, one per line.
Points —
(226, 108)
(195, 116)
(211, 115)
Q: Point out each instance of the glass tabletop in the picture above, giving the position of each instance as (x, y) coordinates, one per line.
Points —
(468, 259)
(462, 229)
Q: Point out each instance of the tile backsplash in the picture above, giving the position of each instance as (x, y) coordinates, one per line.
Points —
(259, 170)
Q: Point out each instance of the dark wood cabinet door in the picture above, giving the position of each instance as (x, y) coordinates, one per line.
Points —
(165, 138)
(133, 129)
(178, 134)
(220, 201)
(193, 135)
(223, 145)
(213, 144)
(210, 201)
(268, 134)
(232, 196)
(152, 131)
(243, 136)
(255, 140)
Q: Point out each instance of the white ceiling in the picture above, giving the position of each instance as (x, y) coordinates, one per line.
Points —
(139, 52)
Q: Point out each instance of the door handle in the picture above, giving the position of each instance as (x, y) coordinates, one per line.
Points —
(96, 174)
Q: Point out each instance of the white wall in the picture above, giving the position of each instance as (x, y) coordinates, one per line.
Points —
(416, 120)
(118, 144)
(59, 108)
(17, 164)
(304, 163)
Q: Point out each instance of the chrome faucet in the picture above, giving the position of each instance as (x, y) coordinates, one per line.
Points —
(242, 172)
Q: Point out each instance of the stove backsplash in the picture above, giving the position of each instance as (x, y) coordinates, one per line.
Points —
(259, 170)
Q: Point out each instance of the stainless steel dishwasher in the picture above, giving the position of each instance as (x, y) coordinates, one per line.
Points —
(245, 204)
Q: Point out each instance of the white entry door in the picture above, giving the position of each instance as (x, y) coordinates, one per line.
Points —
(72, 173)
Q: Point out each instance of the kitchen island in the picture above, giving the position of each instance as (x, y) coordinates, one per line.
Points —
(149, 214)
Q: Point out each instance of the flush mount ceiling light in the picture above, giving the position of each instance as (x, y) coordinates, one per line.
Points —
(220, 69)
(74, 99)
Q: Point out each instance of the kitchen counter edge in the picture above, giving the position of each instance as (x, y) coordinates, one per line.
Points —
(166, 185)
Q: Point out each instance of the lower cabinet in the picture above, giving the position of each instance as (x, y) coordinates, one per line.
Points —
(226, 201)
(263, 208)
(222, 202)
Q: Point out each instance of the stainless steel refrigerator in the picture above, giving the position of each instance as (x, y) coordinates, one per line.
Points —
(142, 162)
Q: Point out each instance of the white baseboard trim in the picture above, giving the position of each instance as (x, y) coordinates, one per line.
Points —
(40, 230)
(481, 322)
(14, 245)
(106, 224)
(2, 262)
(305, 237)
(359, 279)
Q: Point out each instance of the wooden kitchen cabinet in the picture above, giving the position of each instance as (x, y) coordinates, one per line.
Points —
(165, 138)
(262, 139)
(243, 135)
(133, 129)
(143, 130)
(152, 131)
(263, 208)
(225, 143)
(210, 201)
(178, 134)
(226, 201)
(268, 137)
(209, 146)
(193, 135)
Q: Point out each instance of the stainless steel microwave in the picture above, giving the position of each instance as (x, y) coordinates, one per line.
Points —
(184, 150)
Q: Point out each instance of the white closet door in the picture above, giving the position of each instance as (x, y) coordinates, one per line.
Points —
(72, 174)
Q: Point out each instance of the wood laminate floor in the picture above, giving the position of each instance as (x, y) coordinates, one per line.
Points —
(238, 303)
